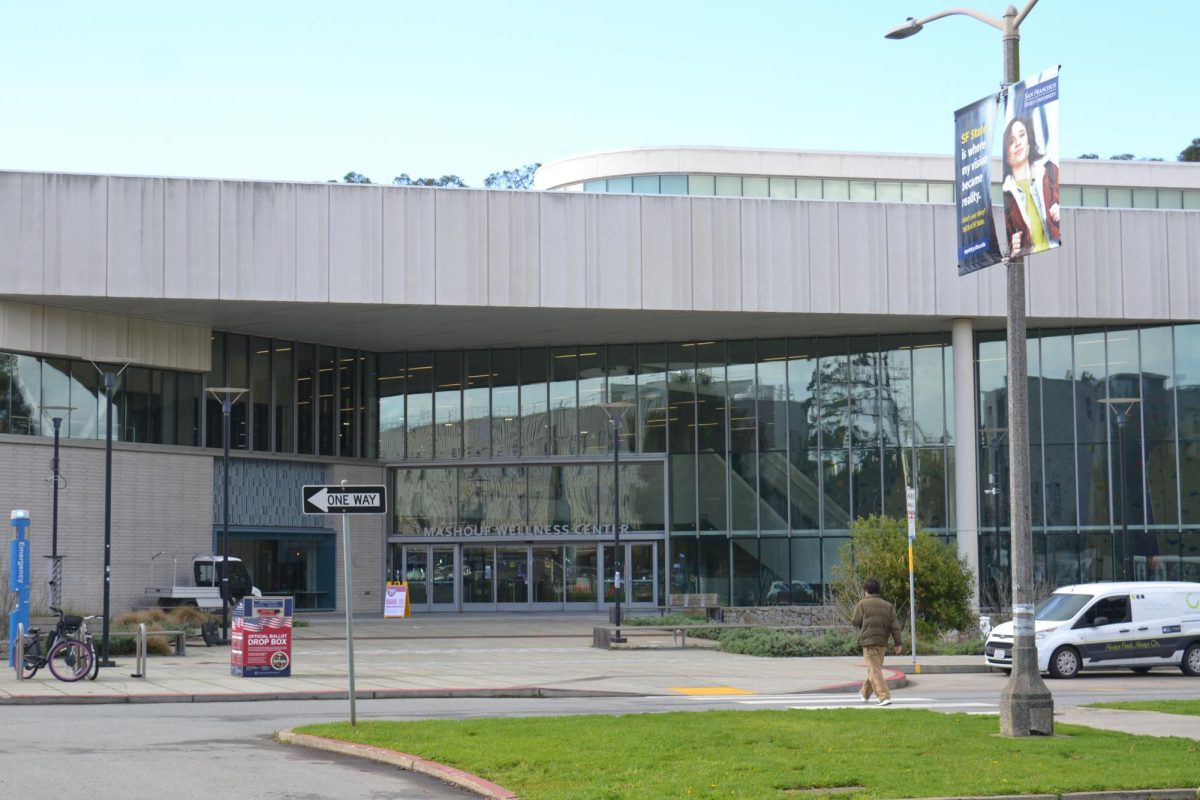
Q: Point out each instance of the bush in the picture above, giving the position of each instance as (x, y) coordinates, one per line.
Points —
(123, 631)
(878, 548)
(774, 643)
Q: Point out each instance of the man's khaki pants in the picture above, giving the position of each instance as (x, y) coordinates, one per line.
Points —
(874, 658)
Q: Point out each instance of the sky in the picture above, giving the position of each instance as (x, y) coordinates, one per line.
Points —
(307, 91)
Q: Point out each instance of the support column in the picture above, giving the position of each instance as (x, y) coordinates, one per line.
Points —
(966, 439)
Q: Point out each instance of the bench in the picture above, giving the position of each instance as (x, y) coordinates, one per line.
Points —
(176, 638)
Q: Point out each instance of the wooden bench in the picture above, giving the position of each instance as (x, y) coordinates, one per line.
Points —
(176, 638)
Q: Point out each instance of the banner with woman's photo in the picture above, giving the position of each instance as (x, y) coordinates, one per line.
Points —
(1029, 158)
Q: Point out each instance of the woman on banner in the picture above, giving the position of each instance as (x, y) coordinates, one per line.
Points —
(1030, 192)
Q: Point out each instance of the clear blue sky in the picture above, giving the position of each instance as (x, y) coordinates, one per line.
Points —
(310, 91)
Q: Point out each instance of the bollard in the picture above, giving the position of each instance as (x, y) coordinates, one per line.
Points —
(139, 648)
(19, 651)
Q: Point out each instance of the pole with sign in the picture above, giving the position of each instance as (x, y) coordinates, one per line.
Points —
(18, 582)
(344, 499)
(910, 497)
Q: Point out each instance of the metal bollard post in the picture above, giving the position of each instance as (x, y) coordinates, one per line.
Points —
(19, 651)
(140, 652)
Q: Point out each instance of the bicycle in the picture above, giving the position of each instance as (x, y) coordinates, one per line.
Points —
(85, 636)
(69, 658)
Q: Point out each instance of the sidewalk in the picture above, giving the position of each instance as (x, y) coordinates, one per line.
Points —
(503, 655)
(458, 655)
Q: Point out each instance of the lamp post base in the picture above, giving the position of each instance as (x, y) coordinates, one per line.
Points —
(1026, 710)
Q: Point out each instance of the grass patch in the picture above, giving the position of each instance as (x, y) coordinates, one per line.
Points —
(781, 754)
(1189, 707)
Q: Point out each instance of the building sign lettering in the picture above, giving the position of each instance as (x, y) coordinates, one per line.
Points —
(518, 530)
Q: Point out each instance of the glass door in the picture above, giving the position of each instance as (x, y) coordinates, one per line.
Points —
(512, 577)
(642, 569)
(580, 569)
(443, 578)
(478, 578)
(547, 577)
(416, 572)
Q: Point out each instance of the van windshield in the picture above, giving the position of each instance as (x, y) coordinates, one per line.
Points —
(1061, 607)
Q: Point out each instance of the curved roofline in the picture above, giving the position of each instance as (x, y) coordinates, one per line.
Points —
(713, 160)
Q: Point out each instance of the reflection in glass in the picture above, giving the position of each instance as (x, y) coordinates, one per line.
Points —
(443, 579)
(773, 492)
(535, 425)
(391, 405)
(420, 405)
(416, 572)
(448, 430)
(746, 572)
(547, 575)
(652, 399)
(512, 574)
(306, 386)
(506, 407)
(478, 574)
(283, 404)
(595, 432)
(424, 498)
(564, 421)
(640, 570)
(477, 410)
(896, 391)
(806, 585)
(774, 580)
(579, 569)
(712, 492)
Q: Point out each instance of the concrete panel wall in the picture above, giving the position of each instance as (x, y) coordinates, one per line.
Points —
(29, 328)
(96, 236)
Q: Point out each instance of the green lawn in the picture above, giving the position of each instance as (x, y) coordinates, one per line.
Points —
(886, 753)
(1189, 707)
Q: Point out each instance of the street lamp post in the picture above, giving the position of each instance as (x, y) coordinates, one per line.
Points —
(227, 396)
(1026, 707)
(616, 412)
(1121, 406)
(56, 413)
(110, 369)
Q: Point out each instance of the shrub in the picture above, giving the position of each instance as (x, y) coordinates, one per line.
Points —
(878, 548)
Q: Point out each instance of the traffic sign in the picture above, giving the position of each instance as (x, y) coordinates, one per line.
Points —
(345, 499)
(910, 497)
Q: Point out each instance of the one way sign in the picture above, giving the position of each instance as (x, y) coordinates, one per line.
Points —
(345, 499)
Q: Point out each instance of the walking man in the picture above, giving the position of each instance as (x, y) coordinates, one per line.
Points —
(876, 621)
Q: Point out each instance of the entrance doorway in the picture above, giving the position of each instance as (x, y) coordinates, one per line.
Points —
(521, 577)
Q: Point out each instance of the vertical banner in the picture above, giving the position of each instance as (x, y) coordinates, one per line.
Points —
(978, 246)
(1029, 153)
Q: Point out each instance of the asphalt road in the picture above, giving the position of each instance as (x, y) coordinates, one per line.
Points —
(206, 750)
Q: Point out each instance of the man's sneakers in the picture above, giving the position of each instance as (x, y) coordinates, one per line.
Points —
(887, 701)
(866, 698)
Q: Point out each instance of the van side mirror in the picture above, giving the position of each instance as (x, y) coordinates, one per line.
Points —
(1100, 621)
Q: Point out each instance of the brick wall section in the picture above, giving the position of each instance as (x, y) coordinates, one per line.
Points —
(161, 500)
(368, 538)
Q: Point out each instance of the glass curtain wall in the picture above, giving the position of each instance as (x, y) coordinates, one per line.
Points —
(1091, 521)
(762, 440)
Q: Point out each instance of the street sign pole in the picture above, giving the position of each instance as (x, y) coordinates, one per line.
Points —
(345, 500)
(910, 496)
(349, 612)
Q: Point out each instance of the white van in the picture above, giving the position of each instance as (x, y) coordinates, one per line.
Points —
(1138, 625)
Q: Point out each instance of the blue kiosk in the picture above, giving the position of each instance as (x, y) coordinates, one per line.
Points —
(18, 580)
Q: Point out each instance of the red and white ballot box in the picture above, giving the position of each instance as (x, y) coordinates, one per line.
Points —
(260, 640)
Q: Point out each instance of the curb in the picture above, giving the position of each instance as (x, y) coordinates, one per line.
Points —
(405, 761)
(332, 694)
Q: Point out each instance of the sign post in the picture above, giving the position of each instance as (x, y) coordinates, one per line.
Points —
(18, 581)
(345, 499)
(910, 498)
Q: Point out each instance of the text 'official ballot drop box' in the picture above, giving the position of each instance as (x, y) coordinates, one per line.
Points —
(260, 640)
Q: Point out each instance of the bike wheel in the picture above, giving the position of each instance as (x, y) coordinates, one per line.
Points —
(70, 660)
(95, 671)
(32, 661)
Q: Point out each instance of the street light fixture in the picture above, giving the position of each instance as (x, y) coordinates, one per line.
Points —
(1026, 707)
(110, 369)
(1121, 406)
(227, 396)
(616, 412)
(56, 416)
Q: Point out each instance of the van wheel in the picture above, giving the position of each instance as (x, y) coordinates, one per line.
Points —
(1191, 660)
(1140, 670)
(1064, 663)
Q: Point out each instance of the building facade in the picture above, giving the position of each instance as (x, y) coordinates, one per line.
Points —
(787, 329)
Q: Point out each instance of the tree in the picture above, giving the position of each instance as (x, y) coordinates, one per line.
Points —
(518, 178)
(1191, 152)
(446, 180)
(878, 548)
(355, 177)
(1091, 156)
(1122, 157)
